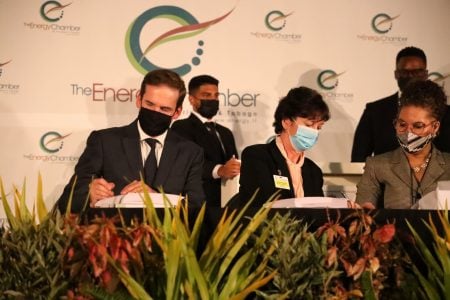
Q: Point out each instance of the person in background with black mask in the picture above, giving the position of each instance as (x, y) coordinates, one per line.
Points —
(399, 178)
(375, 133)
(216, 140)
(115, 158)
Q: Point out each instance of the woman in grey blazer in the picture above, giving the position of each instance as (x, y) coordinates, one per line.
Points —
(399, 178)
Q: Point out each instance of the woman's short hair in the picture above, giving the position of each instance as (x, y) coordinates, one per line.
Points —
(425, 94)
(300, 102)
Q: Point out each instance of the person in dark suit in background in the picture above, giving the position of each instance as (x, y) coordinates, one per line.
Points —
(216, 140)
(375, 133)
(281, 165)
(115, 158)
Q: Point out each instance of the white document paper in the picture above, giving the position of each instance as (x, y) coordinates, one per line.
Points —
(135, 200)
(229, 188)
(312, 202)
(437, 199)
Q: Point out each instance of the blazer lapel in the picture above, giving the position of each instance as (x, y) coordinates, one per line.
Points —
(200, 131)
(281, 165)
(204, 139)
(131, 146)
(400, 166)
(435, 169)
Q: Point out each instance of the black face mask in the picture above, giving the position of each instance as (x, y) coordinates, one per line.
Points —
(402, 82)
(208, 108)
(152, 122)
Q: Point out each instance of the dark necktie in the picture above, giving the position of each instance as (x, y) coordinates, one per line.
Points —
(150, 166)
(211, 126)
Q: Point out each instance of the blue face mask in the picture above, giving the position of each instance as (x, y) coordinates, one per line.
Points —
(304, 138)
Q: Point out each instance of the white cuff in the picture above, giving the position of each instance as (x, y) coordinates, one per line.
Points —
(215, 172)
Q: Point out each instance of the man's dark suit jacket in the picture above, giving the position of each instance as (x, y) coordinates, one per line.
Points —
(376, 134)
(192, 128)
(115, 155)
(261, 162)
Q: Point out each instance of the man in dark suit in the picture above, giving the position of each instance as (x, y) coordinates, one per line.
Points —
(115, 158)
(216, 140)
(375, 133)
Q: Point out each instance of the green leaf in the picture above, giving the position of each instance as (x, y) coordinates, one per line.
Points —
(40, 203)
(12, 220)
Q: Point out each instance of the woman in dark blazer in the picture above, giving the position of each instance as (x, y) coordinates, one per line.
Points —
(281, 165)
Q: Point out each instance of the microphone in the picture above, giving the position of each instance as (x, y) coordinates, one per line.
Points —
(418, 196)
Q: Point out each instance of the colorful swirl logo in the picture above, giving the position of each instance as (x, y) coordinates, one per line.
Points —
(189, 27)
(52, 141)
(438, 77)
(328, 79)
(52, 11)
(276, 20)
(382, 23)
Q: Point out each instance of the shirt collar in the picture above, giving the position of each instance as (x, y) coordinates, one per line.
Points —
(280, 146)
(142, 135)
(203, 119)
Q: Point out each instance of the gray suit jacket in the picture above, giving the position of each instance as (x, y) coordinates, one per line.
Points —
(387, 181)
(115, 155)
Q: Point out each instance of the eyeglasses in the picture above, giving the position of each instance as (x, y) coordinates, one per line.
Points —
(412, 73)
(416, 128)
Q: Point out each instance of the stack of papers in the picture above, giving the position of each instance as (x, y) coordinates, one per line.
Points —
(135, 200)
(312, 202)
(443, 194)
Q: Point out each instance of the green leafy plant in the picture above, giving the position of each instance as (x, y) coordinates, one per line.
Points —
(105, 255)
(435, 281)
(300, 261)
(30, 251)
(222, 271)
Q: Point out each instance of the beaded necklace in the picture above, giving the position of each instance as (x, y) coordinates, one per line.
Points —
(423, 166)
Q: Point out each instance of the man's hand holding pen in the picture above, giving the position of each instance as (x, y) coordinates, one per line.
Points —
(100, 188)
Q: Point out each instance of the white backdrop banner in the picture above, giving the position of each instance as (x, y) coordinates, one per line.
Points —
(67, 68)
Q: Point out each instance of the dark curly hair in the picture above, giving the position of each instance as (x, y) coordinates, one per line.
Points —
(426, 94)
(300, 102)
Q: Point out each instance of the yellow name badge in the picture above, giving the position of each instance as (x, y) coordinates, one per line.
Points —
(281, 182)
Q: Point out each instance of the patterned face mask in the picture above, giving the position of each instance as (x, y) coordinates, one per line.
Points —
(413, 143)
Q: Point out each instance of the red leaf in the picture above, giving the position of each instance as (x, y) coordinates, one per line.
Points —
(385, 233)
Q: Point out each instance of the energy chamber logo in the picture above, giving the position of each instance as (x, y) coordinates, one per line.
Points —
(328, 79)
(382, 23)
(188, 26)
(52, 141)
(52, 11)
(276, 20)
